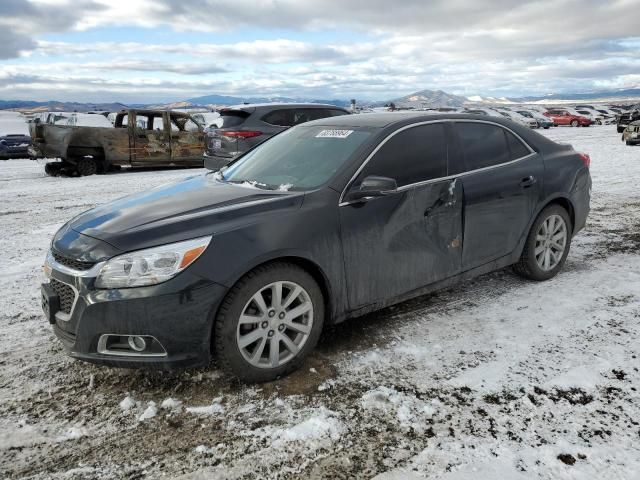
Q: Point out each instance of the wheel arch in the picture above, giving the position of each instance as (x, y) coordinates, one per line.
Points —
(78, 151)
(565, 203)
(561, 200)
(309, 266)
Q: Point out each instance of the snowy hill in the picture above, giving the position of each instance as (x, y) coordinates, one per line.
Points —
(429, 99)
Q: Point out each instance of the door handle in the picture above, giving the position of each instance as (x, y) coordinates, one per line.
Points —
(527, 181)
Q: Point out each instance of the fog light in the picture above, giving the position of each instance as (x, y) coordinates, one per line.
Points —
(137, 344)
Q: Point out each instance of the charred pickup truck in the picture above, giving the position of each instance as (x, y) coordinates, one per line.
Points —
(138, 138)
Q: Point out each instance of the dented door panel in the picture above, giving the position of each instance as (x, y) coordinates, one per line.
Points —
(498, 206)
(401, 242)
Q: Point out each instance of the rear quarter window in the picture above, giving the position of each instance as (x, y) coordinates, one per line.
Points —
(517, 149)
(232, 118)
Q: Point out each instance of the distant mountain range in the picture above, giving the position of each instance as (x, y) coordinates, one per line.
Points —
(54, 106)
(228, 100)
(628, 93)
(421, 99)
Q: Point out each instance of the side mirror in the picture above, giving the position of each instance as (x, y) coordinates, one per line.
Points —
(373, 186)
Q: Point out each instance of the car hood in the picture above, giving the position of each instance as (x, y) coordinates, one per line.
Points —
(197, 206)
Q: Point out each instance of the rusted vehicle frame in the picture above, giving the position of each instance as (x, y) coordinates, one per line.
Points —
(139, 138)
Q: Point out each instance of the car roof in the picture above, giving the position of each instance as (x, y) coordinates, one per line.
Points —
(382, 120)
(279, 105)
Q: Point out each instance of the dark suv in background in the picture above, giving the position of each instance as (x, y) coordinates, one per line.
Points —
(626, 118)
(245, 126)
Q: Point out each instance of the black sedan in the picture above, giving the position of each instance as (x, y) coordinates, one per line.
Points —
(328, 220)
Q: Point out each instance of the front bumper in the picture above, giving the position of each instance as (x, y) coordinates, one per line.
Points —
(21, 152)
(178, 313)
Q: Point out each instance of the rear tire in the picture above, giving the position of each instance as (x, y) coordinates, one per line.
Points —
(547, 245)
(87, 166)
(53, 169)
(273, 295)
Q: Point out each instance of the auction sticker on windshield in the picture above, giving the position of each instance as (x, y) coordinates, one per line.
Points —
(334, 133)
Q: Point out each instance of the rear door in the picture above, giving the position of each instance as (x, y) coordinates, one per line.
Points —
(501, 179)
(563, 118)
(187, 140)
(403, 241)
(150, 138)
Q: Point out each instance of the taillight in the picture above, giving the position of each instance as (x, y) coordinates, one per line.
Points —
(586, 159)
(239, 133)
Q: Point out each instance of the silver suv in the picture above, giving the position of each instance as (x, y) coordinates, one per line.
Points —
(245, 126)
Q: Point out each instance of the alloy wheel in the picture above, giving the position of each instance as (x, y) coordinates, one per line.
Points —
(275, 324)
(551, 242)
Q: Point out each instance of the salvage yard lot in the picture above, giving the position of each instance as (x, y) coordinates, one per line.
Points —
(495, 378)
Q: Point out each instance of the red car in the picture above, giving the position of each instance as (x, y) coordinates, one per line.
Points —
(565, 117)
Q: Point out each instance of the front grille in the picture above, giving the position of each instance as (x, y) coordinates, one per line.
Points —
(66, 293)
(71, 263)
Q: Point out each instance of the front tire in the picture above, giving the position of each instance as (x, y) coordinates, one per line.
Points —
(87, 166)
(269, 322)
(575, 123)
(547, 245)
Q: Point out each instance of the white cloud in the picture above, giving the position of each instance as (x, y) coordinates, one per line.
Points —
(500, 47)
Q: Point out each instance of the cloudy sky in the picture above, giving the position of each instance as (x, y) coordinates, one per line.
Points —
(164, 50)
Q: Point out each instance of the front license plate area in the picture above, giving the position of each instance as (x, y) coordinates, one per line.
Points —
(50, 302)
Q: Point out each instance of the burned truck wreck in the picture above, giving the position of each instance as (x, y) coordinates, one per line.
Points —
(138, 138)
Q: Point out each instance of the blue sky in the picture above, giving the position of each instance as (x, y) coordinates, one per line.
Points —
(163, 50)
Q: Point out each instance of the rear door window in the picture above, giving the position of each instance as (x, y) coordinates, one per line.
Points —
(411, 156)
(302, 115)
(281, 118)
(483, 145)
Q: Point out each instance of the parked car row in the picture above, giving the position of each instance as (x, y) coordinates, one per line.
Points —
(95, 142)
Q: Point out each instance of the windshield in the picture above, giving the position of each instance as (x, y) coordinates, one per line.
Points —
(300, 158)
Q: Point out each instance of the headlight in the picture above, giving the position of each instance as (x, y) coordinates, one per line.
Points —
(150, 266)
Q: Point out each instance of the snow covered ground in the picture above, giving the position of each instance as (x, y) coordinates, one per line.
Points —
(497, 378)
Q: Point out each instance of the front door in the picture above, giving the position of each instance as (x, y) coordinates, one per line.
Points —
(406, 240)
(501, 179)
(151, 141)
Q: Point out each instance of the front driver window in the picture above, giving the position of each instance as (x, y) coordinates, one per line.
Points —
(411, 156)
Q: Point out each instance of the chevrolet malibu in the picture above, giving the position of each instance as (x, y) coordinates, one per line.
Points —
(328, 220)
